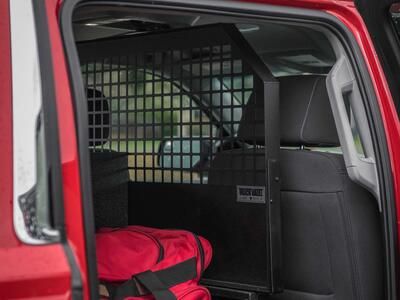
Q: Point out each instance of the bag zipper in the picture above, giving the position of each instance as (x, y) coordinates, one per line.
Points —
(161, 248)
(201, 251)
(196, 288)
(199, 247)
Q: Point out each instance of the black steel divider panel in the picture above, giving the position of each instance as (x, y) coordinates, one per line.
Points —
(196, 112)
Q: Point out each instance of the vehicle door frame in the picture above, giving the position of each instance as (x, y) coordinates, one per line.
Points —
(343, 20)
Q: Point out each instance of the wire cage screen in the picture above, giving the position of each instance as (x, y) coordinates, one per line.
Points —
(173, 110)
(194, 111)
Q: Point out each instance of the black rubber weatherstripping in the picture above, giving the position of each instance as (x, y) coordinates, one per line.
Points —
(52, 143)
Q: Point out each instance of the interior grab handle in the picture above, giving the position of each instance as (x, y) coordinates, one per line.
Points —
(342, 86)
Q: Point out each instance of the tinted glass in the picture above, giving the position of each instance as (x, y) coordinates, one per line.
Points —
(395, 14)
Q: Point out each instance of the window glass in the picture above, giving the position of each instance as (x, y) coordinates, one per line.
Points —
(395, 14)
(356, 135)
(32, 206)
(35, 202)
(42, 189)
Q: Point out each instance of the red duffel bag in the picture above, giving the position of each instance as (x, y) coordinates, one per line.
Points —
(137, 262)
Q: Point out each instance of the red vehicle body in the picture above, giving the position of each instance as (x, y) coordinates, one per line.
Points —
(44, 272)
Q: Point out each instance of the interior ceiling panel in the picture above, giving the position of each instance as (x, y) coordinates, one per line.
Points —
(282, 46)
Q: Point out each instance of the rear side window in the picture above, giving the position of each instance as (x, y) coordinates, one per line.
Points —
(395, 14)
(33, 210)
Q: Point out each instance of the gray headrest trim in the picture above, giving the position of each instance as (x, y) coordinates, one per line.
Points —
(305, 112)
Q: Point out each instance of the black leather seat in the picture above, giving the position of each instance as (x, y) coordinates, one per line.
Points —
(109, 169)
(332, 242)
(244, 166)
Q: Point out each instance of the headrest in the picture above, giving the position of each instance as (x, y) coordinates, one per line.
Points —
(305, 114)
(251, 127)
(99, 117)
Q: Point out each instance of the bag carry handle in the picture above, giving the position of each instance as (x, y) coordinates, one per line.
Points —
(157, 283)
(151, 282)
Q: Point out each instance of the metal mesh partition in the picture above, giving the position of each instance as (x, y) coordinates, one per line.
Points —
(170, 110)
(195, 109)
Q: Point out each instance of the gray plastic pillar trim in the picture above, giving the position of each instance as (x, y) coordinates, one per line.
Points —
(341, 83)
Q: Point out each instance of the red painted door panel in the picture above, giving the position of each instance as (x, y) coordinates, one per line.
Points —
(69, 156)
(27, 271)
